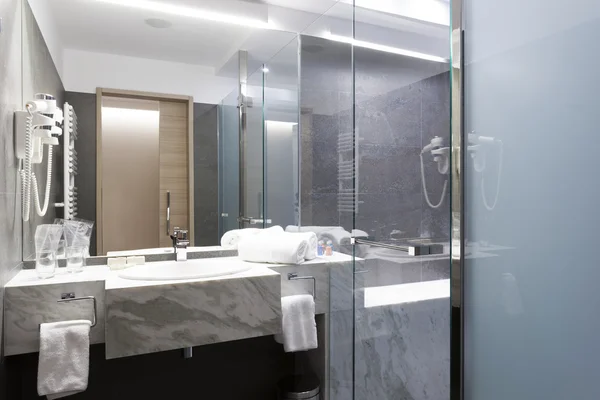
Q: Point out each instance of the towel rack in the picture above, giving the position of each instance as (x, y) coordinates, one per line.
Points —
(293, 276)
(66, 297)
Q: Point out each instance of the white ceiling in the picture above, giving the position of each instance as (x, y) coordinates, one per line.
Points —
(113, 28)
(108, 37)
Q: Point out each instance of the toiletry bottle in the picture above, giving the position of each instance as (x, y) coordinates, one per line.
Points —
(329, 248)
(320, 248)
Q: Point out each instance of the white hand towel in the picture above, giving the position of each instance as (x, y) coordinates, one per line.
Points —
(312, 242)
(64, 358)
(298, 323)
(274, 249)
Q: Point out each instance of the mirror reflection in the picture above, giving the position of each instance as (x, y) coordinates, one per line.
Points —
(187, 120)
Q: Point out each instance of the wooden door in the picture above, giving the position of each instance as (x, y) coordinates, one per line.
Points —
(174, 164)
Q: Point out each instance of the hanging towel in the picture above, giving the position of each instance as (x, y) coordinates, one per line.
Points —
(64, 358)
(312, 242)
(274, 249)
(298, 323)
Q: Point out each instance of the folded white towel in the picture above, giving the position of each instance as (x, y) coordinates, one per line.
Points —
(312, 242)
(298, 323)
(274, 249)
(64, 358)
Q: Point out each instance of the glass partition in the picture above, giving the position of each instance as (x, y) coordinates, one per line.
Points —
(229, 167)
(281, 159)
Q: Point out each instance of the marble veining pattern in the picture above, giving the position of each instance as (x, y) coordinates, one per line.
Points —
(164, 317)
(403, 351)
(26, 307)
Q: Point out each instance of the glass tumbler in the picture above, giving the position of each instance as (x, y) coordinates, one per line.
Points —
(45, 264)
(75, 257)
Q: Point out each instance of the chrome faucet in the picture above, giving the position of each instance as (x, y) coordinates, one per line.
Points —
(180, 243)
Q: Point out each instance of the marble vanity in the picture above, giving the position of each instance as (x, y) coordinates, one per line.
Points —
(142, 316)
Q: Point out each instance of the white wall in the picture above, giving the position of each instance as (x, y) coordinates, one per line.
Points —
(43, 15)
(84, 71)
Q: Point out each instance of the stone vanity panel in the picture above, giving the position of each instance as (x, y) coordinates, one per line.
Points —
(26, 307)
(169, 316)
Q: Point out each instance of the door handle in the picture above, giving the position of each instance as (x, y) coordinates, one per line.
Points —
(168, 213)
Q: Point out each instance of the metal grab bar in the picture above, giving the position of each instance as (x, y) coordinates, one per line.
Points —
(293, 276)
(412, 250)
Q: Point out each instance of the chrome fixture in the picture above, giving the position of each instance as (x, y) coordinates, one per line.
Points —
(180, 243)
(420, 249)
(293, 276)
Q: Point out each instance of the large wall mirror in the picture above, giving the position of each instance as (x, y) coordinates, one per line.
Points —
(159, 100)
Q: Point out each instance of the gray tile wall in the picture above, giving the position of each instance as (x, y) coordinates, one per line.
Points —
(205, 166)
(10, 196)
(400, 105)
(85, 145)
(206, 175)
(40, 76)
(25, 68)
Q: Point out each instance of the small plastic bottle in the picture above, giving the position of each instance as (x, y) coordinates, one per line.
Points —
(321, 248)
(329, 248)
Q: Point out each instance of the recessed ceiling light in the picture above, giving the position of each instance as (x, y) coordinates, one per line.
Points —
(158, 23)
(190, 12)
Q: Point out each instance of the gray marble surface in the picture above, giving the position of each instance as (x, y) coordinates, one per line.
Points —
(30, 302)
(403, 351)
(174, 315)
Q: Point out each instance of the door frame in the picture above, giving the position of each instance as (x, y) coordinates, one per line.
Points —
(134, 94)
(457, 200)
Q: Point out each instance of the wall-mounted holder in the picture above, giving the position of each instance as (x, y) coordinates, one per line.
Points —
(293, 276)
(66, 297)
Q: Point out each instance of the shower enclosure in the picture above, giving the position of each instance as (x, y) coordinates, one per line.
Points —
(348, 125)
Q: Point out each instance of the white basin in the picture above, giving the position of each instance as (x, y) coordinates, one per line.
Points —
(190, 269)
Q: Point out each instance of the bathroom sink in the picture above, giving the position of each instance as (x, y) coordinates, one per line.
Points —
(190, 269)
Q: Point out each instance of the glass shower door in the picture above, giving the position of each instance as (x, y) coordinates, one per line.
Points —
(531, 192)
(241, 173)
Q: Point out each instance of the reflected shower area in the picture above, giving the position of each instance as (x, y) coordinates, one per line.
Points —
(345, 131)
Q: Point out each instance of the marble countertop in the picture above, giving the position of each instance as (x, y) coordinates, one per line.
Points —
(28, 277)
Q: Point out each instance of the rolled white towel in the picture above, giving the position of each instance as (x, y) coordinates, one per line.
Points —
(231, 238)
(358, 233)
(273, 249)
(273, 229)
(311, 239)
(311, 228)
(338, 237)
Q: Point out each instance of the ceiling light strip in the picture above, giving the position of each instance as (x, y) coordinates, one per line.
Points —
(386, 49)
(190, 12)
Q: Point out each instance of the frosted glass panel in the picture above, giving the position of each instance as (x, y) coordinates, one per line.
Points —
(531, 274)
